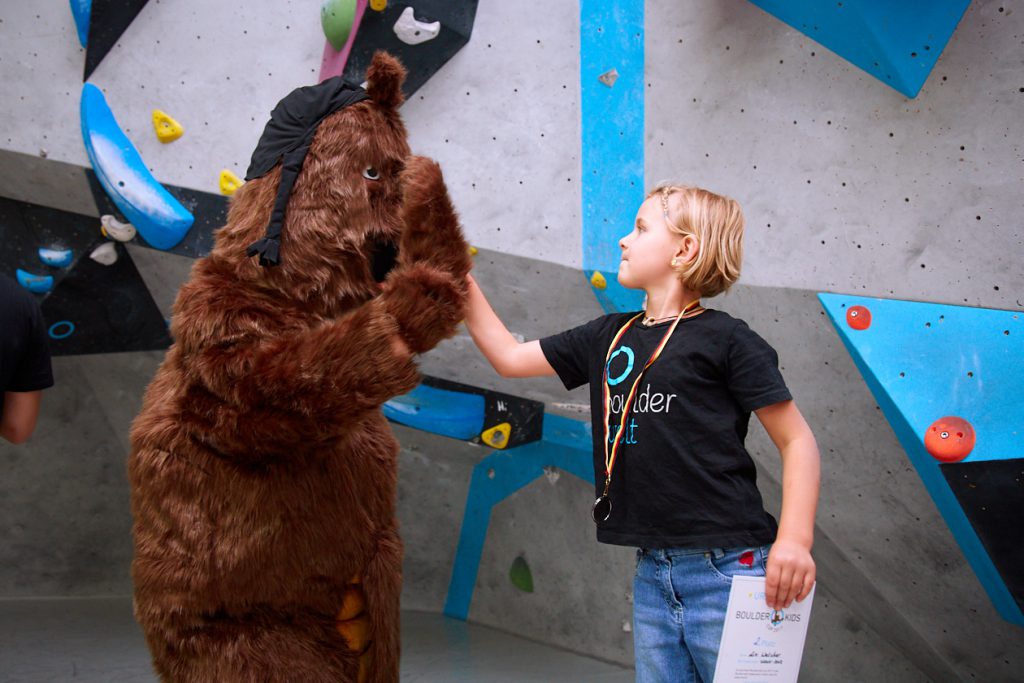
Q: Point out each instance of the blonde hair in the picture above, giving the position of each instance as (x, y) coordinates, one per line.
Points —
(717, 223)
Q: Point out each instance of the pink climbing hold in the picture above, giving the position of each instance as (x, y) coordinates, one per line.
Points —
(333, 61)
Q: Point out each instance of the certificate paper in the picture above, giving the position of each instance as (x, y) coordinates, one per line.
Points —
(759, 644)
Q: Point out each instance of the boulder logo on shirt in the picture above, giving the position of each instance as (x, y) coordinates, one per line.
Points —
(645, 400)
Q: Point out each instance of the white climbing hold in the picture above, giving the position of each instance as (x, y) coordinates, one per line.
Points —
(412, 32)
(106, 254)
(551, 472)
(609, 77)
(60, 258)
(115, 229)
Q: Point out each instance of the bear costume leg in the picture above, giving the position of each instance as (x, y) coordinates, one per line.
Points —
(264, 649)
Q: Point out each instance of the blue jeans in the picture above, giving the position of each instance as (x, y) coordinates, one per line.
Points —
(679, 600)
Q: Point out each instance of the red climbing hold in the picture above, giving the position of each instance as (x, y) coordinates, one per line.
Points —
(747, 559)
(858, 317)
(949, 439)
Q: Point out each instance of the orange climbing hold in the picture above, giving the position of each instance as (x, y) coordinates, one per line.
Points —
(949, 439)
(858, 317)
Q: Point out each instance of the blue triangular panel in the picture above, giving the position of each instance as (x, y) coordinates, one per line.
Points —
(896, 42)
(927, 361)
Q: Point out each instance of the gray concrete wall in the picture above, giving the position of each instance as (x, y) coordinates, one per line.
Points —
(745, 105)
(896, 599)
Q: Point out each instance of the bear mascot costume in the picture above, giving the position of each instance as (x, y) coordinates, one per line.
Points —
(262, 471)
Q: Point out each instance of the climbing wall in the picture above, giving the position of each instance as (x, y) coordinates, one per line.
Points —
(875, 158)
(947, 378)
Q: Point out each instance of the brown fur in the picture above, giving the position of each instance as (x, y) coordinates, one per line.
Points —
(263, 474)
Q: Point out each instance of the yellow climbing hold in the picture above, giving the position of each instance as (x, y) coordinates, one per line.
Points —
(497, 436)
(598, 280)
(378, 5)
(167, 129)
(229, 182)
(473, 251)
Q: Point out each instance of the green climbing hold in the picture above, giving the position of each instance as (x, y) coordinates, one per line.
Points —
(520, 575)
(337, 18)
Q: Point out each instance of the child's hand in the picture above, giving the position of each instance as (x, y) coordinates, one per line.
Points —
(790, 573)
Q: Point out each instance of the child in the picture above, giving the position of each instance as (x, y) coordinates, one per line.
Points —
(671, 392)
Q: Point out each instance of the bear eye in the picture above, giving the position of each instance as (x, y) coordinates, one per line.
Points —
(370, 173)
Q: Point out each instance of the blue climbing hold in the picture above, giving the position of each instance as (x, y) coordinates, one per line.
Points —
(81, 10)
(40, 284)
(66, 328)
(439, 411)
(159, 217)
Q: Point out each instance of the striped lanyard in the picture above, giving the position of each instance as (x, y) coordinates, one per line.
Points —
(602, 506)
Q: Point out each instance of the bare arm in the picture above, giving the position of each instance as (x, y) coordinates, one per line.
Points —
(21, 410)
(791, 569)
(508, 357)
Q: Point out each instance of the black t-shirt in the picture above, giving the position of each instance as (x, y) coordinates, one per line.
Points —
(682, 477)
(24, 353)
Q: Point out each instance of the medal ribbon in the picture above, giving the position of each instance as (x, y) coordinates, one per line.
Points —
(609, 459)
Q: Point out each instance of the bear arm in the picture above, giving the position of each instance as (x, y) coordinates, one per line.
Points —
(338, 368)
(427, 303)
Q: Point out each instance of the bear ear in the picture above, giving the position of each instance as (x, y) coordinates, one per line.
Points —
(384, 80)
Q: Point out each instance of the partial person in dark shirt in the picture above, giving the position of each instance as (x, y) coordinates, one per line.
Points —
(24, 361)
(672, 388)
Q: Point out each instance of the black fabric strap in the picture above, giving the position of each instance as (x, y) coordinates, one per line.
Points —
(269, 248)
(287, 138)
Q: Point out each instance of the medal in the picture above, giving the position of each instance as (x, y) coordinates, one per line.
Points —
(603, 505)
(602, 508)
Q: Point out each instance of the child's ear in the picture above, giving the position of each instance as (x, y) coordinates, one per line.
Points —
(384, 80)
(686, 249)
